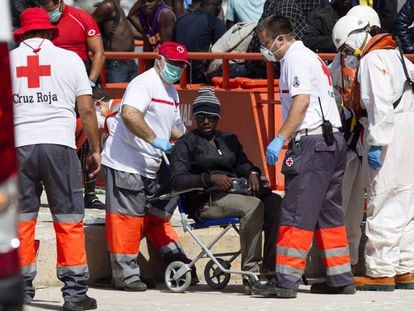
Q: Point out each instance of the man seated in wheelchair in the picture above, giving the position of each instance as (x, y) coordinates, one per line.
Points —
(207, 158)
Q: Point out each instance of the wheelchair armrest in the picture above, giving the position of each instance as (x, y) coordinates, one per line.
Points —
(171, 194)
(168, 196)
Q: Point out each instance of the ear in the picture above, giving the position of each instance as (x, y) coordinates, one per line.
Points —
(280, 38)
(158, 61)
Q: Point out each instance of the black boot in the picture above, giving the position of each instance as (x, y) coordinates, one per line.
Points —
(87, 303)
(271, 289)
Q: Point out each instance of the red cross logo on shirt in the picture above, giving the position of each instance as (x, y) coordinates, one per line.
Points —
(33, 71)
(289, 162)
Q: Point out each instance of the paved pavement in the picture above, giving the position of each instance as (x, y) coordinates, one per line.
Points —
(202, 297)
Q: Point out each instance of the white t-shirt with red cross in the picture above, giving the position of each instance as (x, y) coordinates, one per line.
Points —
(45, 87)
(303, 72)
(158, 102)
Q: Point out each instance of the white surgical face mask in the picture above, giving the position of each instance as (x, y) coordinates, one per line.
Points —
(55, 15)
(356, 42)
(268, 53)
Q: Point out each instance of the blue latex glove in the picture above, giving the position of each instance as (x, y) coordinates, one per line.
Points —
(374, 157)
(273, 149)
(162, 144)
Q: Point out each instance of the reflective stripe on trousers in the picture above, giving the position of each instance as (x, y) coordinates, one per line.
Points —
(124, 234)
(313, 206)
(72, 267)
(293, 247)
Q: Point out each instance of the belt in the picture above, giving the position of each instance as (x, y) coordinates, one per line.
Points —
(309, 132)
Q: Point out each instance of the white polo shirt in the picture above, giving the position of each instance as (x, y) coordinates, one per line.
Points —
(45, 87)
(303, 72)
(158, 102)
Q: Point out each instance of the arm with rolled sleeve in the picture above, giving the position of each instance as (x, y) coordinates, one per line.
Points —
(94, 45)
(132, 112)
(86, 109)
(135, 122)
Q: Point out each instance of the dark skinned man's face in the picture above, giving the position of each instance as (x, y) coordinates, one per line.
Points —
(149, 7)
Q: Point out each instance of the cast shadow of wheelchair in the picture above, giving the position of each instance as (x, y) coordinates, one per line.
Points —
(46, 304)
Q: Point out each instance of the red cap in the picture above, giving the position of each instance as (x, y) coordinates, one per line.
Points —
(34, 19)
(174, 51)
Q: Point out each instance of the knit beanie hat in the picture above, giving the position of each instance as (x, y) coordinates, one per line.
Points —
(206, 102)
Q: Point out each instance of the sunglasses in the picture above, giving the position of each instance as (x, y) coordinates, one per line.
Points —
(209, 117)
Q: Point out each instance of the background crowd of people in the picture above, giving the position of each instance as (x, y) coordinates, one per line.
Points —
(199, 24)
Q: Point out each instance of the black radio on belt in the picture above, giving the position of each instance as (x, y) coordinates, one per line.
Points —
(327, 130)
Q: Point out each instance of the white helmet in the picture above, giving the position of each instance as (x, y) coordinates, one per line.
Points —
(344, 27)
(366, 13)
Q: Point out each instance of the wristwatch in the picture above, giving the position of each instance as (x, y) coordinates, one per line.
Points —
(91, 83)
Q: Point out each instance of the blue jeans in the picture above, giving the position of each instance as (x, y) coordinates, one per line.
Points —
(119, 70)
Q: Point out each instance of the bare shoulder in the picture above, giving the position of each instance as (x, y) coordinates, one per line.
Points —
(106, 6)
(166, 15)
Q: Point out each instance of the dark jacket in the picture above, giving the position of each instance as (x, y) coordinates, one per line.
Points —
(198, 31)
(387, 12)
(404, 19)
(318, 32)
(17, 7)
(193, 159)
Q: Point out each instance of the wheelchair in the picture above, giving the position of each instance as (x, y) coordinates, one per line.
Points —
(217, 271)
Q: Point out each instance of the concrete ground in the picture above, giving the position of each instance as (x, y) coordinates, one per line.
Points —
(202, 297)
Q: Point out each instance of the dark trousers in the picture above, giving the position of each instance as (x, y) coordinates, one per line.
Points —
(313, 206)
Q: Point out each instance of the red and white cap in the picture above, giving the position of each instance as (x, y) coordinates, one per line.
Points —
(174, 51)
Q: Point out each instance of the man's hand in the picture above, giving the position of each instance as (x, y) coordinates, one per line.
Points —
(273, 149)
(93, 164)
(162, 144)
(222, 181)
(254, 183)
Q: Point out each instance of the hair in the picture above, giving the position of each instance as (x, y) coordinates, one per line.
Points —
(40, 33)
(45, 2)
(276, 25)
(375, 30)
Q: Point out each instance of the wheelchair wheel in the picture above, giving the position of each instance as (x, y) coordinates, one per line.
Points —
(214, 277)
(177, 285)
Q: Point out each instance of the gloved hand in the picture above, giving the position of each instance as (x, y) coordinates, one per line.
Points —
(374, 157)
(273, 149)
(162, 144)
